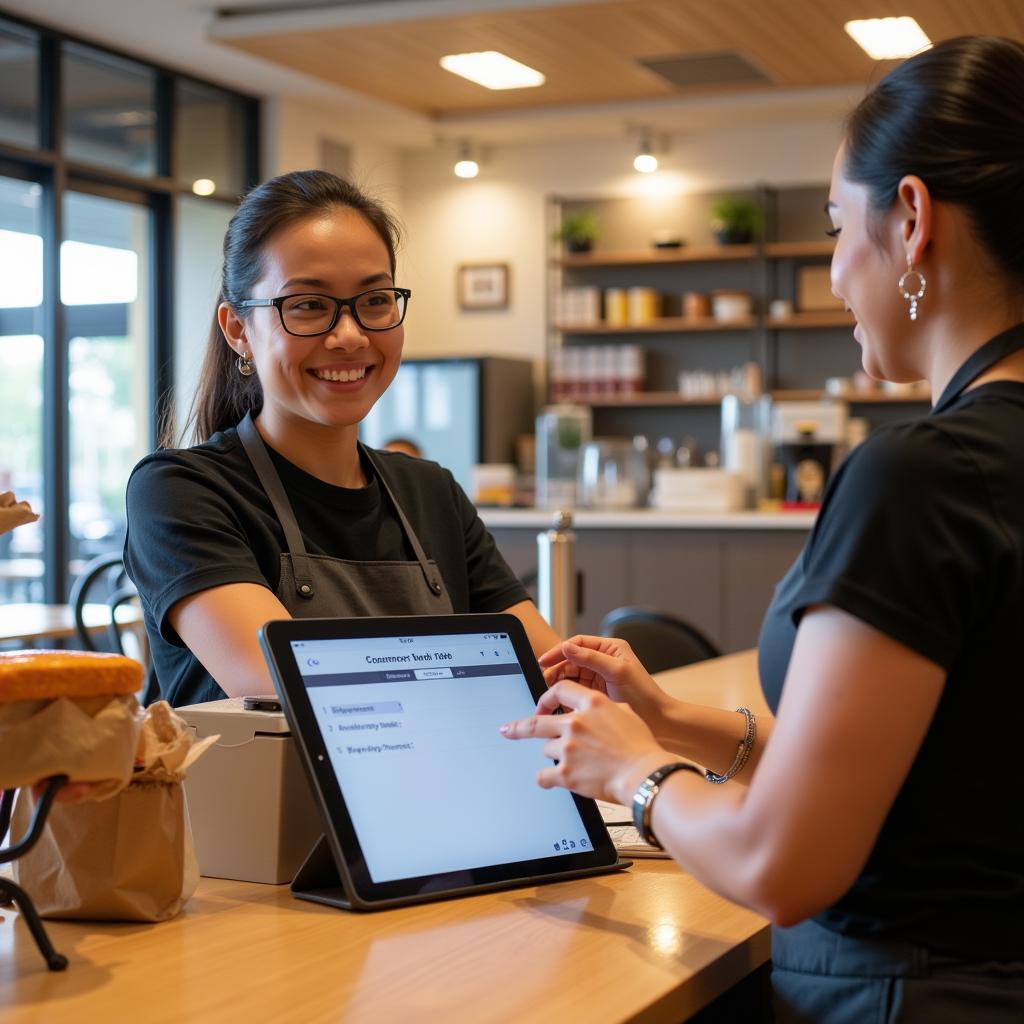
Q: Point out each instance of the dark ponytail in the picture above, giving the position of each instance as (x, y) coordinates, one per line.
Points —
(224, 395)
(954, 116)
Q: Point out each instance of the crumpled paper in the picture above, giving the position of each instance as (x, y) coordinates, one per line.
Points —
(167, 746)
(92, 740)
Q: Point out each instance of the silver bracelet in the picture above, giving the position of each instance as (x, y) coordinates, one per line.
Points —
(742, 752)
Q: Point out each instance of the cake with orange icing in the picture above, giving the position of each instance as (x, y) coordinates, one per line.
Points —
(49, 675)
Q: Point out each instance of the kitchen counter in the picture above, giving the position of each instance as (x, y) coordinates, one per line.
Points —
(715, 570)
(648, 519)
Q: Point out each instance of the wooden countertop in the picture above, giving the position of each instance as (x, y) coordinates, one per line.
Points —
(650, 943)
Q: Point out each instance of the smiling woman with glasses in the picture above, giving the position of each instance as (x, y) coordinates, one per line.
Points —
(277, 510)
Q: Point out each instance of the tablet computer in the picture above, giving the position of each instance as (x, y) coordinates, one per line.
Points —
(396, 720)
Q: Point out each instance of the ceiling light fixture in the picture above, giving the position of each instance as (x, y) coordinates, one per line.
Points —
(888, 38)
(466, 166)
(204, 186)
(492, 70)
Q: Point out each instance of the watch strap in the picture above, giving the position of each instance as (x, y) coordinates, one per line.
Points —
(643, 798)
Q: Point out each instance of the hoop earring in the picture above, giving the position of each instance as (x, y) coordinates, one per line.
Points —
(901, 284)
(246, 367)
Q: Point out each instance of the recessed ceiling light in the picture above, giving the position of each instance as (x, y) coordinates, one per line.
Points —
(888, 38)
(492, 70)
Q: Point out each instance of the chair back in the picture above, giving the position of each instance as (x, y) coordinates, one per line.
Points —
(104, 581)
(661, 641)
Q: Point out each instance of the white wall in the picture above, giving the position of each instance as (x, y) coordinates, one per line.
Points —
(294, 128)
(500, 216)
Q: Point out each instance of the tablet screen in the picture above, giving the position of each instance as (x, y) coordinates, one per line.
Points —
(410, 724)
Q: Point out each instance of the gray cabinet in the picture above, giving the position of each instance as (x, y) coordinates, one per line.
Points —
(721, 580)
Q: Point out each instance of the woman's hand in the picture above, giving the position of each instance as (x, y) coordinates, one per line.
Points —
(603, 749)
(608, 666)
(14, 513)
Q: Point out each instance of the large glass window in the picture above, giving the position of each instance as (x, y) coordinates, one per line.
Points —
(109, 110)
(21, 382)
(210, 128)
(105, 288)
(19, 85)
(112, 216)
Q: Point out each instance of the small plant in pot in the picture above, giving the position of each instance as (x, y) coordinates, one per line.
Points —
(735, 221)
(578, 231)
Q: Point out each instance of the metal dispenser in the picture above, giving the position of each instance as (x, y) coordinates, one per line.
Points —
(557, 581)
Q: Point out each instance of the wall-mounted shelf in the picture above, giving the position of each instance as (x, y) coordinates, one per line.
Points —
(639, 257)
(820, 318)
(663, 325)
(799, 250)
(646, 399)
(853, 397)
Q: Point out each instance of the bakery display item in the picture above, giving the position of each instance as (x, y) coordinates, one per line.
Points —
(78, 675)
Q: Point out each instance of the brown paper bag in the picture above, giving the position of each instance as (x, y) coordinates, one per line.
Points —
(128, 858)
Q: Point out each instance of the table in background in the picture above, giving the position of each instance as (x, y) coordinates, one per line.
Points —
(26, 623)
(649, 944)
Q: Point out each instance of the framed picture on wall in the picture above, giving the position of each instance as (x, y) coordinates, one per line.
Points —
(483, 286)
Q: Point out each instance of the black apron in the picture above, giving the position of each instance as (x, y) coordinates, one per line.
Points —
(820, 976)
(317, 586)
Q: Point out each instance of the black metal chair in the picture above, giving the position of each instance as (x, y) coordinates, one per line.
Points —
(104, 581)
(659, 640)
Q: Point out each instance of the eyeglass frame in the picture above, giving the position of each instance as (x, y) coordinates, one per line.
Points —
(339, 305)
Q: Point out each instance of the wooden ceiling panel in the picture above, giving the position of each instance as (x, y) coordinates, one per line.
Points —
(589, 52)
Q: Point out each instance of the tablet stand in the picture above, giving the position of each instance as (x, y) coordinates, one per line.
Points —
(10, 892)
(319, 879)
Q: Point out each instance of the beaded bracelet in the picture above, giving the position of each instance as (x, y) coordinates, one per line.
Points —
(742, 752)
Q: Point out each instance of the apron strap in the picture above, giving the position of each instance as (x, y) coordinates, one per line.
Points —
(429, 574)
(998, 348)
(260, 459)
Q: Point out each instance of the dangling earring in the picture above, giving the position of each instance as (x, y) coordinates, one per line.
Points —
(246, 367)
(902, 285)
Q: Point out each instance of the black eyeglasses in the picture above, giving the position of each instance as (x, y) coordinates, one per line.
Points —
(379, 309)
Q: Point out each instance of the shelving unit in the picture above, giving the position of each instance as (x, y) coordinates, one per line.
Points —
(795, 353)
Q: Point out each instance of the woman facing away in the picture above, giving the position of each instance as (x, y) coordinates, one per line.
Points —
(872, 820)
(278, 511)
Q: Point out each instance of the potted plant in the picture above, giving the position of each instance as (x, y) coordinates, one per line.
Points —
(735, 220)
(578, 231)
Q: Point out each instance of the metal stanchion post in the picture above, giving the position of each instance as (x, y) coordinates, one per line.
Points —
(556, 575)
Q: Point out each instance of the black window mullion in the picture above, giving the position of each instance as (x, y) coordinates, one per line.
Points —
(161, 352)
(253, 170)
(49, 94)
(56, 393)
(165, 156)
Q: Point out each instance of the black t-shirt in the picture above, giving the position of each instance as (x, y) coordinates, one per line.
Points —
(921, 535)
(199, 518)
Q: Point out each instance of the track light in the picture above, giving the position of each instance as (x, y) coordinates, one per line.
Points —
(466, 166)
(645, 161)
